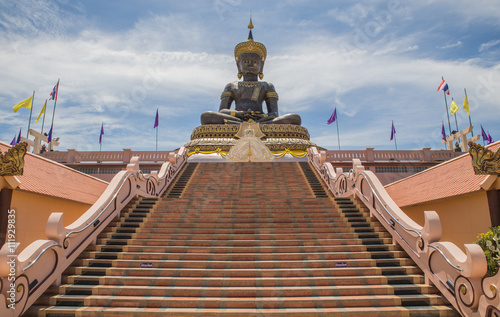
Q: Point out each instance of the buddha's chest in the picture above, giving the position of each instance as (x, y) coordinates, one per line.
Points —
(250, 92)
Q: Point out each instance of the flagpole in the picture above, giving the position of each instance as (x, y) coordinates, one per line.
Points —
(395, 143)
(157, 139)
(31, 111)
(446, 139)
(43, 121)
(446, 105)
(55, 103)
(338, 136)
(456, 124)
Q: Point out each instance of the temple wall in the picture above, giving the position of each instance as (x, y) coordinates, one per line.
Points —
(462, 217)
(33, 210)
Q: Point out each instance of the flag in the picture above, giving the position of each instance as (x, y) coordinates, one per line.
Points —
(42, 112)
(393, 131)
(453, 106)
(49, 138)
(102, 133)
(53, 94)
(19, 136)
(466, 104)
(444, 87)
(483, 134)
(333, 117)
(490, 139)
(26, 103)
(13, 142)
(443, 133)
(156, 119)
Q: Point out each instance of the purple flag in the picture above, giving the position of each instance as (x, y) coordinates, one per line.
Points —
(50, 135)
(102, 133)
(393, 131)
(19, 136)
(156, 119)
(443, 133)
(13, 142)
(490, 139)
(483, 134)
(333, 117)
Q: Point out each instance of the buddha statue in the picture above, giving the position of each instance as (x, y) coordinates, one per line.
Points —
(249, 94)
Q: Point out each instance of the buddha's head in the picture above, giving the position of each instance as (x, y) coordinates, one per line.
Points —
(250, 56)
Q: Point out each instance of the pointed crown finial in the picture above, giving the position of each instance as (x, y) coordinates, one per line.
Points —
(250, 46)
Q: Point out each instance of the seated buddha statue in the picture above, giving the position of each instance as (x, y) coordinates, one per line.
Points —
(249, 94)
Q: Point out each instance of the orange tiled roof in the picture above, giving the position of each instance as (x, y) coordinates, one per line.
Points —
(46, 177)
(451, 178)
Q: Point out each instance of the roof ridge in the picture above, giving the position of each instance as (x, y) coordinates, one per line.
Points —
(57, 164)
(494, 144)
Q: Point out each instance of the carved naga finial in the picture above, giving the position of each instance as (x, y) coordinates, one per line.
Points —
(484, 160)
(12, 161)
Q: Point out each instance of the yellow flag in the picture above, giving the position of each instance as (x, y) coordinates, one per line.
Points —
(466, 104)
(453, 107)
(41, 112)
(26, 103)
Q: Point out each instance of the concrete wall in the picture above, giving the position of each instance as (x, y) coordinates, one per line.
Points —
(33, 210)
(462, 217)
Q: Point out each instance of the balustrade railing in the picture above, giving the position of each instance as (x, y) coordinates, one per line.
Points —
(25, 276)
(74, 156)
(371, 155)
(459, 276)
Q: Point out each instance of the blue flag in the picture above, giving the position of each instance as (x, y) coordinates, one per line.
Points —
(443, 133)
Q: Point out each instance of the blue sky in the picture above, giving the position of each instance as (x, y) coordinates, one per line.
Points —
(375, 61)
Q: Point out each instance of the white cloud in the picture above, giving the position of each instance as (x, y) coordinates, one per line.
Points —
(171, 63)
(488, 45)
(452, 45)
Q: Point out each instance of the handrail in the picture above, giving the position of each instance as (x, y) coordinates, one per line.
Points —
(35, 271)
(41, 253)
(102, 211)
(446, 259)
(384, 206)
(466, 286)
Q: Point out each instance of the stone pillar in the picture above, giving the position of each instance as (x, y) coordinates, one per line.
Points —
(369, 154)
(426, 154)
(127, 155)
(71, 156)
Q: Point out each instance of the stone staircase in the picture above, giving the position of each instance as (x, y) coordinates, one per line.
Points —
(249, 239)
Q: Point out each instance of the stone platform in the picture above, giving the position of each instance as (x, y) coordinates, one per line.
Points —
(280, 139)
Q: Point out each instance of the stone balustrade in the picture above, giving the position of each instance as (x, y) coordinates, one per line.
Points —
(74, 156)
(370, 155)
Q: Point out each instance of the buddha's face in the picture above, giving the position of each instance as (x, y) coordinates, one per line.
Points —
(250, 64)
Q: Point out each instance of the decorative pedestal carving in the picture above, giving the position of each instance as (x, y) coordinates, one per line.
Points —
(249, 147)
(280, 139)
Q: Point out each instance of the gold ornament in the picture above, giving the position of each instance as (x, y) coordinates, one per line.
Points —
(250, 46)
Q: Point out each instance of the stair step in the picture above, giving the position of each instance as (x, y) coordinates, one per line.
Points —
(292, 291)
(243, 239)
(396, 311)
(286, 281)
